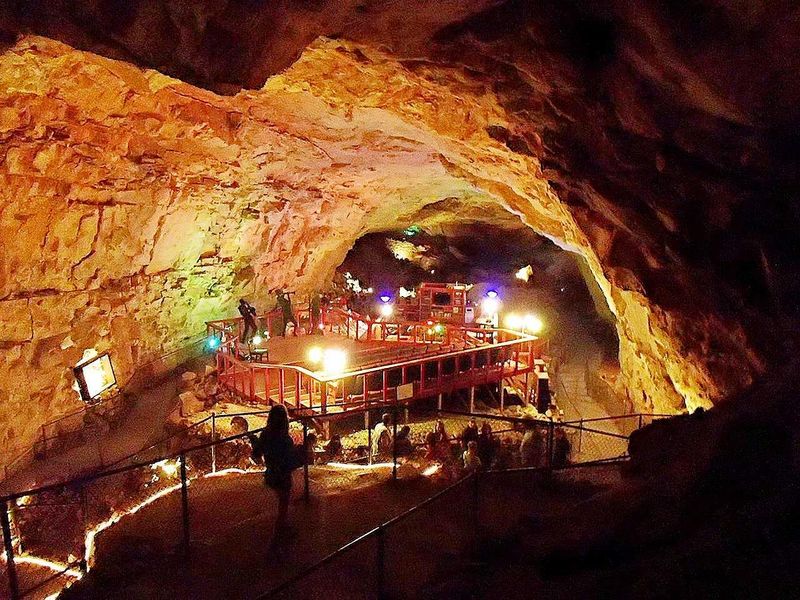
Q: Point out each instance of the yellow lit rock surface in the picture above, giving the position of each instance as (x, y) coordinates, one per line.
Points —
(134, 207)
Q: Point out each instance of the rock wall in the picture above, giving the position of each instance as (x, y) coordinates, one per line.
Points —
(135, 206)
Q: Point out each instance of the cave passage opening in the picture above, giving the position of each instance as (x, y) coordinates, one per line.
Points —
(531, 274)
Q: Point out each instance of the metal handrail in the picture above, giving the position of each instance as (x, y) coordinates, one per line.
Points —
(416, 508)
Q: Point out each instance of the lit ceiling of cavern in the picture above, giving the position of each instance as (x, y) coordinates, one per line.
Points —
(161, 158)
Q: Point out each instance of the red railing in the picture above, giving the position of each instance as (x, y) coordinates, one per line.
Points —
(464, 357)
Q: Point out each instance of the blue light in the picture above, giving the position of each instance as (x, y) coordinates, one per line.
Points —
(213, 343)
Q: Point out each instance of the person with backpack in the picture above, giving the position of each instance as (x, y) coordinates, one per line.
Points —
(280, 457)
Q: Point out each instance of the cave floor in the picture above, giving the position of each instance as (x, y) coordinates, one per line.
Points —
(232, 555)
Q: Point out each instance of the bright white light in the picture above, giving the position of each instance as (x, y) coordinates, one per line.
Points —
(491, 294)
(386, 310)
(257, 339)
(533, 324)
(385, 298)
(314, 354)
(334, 361)
(524, 273)
(404, 293)
(490, 305)
(431, 470)
(514, 322)
(168, 467)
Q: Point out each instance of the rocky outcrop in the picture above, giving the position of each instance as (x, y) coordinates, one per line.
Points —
(136, 206)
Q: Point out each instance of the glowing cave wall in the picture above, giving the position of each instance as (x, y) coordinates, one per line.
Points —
(135, 206)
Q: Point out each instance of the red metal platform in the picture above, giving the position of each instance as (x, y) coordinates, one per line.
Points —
(437, 358)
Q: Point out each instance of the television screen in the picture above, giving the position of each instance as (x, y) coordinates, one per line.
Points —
(95, 376)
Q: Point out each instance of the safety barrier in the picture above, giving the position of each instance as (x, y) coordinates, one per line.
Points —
(50, 532)
(485, 356)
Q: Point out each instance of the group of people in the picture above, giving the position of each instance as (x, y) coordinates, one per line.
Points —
(475, 449)
(317, 303)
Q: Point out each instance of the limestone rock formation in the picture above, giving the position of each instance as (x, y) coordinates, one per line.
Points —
(135, 206)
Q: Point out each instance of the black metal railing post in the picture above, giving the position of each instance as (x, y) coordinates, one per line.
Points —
(476, 499)
(185, 506)
(381, 560)
(550, 430)
(84, 565)
(306, 491)
(640, 420)
(394, 445)
(11, 566)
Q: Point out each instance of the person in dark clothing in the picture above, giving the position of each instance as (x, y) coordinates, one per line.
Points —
(561, 448)
(276, 449)
(403, 445)
(486, 445)
(248, 313)
(315, 314)
(333, 448)
(469, 434)
(285, 306)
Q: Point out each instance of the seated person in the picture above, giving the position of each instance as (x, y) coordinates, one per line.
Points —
(333, 449)
(403, 445)
(472, 461)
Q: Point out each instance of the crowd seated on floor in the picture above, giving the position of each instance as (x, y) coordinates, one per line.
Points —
(474, 448)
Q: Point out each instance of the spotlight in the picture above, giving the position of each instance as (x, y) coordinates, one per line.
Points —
(491, 294)
(490, 305)
(514, 322)
(385, 298)
(314, 354)
(386, 310)
(533, 324)
(257, 339)
(334, 361)
(213, 343)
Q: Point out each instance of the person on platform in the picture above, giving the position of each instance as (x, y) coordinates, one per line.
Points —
(486, 445)
(382, 437)
(472, 461)
(315, 310)
(248, 313)
(430, 446)
(276, 449)
(469, 434)
(287, 314)
(403, 445)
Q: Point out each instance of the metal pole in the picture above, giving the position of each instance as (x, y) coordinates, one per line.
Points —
(369, 437)
(306, 493)
(580, 436)
(185, 506)
(475, 508)
(394, 445)
(551, 427)
(502, 396)
(381, 559)
(13, 582)
(214, 439)
(84, 565)
(640, 420)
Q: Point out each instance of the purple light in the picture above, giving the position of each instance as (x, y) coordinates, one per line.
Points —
(385, 298)
(491, 294)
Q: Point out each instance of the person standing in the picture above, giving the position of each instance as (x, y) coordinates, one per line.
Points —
(277, 450)
(472, 461)
(248, 313)
(285, 305)
(315, 313)
(486, 445)
(382, 437)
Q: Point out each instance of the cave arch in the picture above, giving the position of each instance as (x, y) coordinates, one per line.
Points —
(136, 207)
